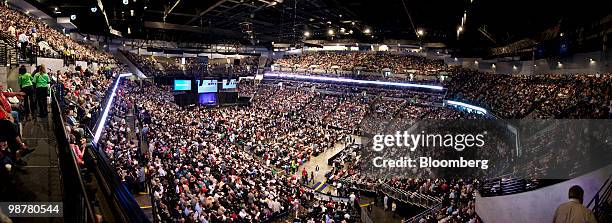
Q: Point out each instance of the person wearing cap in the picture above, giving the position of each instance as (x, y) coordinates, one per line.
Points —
(26, 83)
(41, 81)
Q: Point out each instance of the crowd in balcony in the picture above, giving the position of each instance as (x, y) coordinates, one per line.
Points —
(34, 37)
(369, 62)
(147, 64)
(536, 96)
(192, 66)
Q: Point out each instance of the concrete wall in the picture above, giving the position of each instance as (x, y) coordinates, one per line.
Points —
(3, 76)
(51, 63)
(581, 63)
(12, 75)
(133, 68)
(538, 205)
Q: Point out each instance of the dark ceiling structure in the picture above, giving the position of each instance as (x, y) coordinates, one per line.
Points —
(483, 23)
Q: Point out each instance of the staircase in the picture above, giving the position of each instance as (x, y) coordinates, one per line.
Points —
(8, 54)
(602, 202)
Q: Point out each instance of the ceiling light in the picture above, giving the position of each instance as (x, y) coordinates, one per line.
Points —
(330, 32)
(367, 31)
(420, 32)
(94, 9)
(307, 34)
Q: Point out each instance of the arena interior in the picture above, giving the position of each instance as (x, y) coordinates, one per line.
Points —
(305, 111)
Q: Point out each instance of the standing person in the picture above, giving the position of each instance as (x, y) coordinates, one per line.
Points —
(574, 211)
(610, 111)
(26, 83)
(385, 202)
(41, 81)
(352, 198)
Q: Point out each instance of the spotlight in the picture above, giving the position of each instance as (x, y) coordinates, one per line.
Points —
(72, 17)
(420, 32)
(330, 32)
(367, 31)
(94, 9)
(125, 2)
(307, 34)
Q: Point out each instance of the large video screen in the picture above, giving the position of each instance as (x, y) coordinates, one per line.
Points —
(207, 86)
(182, 85)
(208, 99)
(229, 84)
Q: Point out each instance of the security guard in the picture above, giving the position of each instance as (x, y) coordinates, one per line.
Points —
(26, 83)
(41, 81)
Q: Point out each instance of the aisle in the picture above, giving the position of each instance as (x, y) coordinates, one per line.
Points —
(39, 181)
(320, 183)
(143, 198)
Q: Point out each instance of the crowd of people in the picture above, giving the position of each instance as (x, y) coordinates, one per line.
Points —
(240, 163)
(146, 64)
(458, 198)
(200, 168)
(196, 155)
(34, 37)
(506, 96)
(536, 96)
(192, 66)
(370, 62)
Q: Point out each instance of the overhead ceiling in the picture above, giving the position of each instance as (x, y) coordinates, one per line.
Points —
(489, 23)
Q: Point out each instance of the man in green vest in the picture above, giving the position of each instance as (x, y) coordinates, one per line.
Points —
(41, 81)
(26, 83)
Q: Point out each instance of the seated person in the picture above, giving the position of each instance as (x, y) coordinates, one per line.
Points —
(8, 131)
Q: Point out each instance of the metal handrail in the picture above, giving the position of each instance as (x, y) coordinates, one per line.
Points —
(78, 206)
(606, 187)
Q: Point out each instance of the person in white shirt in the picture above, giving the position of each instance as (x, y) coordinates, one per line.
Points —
(352, 198)
(385, 202)
(573, 211)
(24, 38)
(11, 29)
